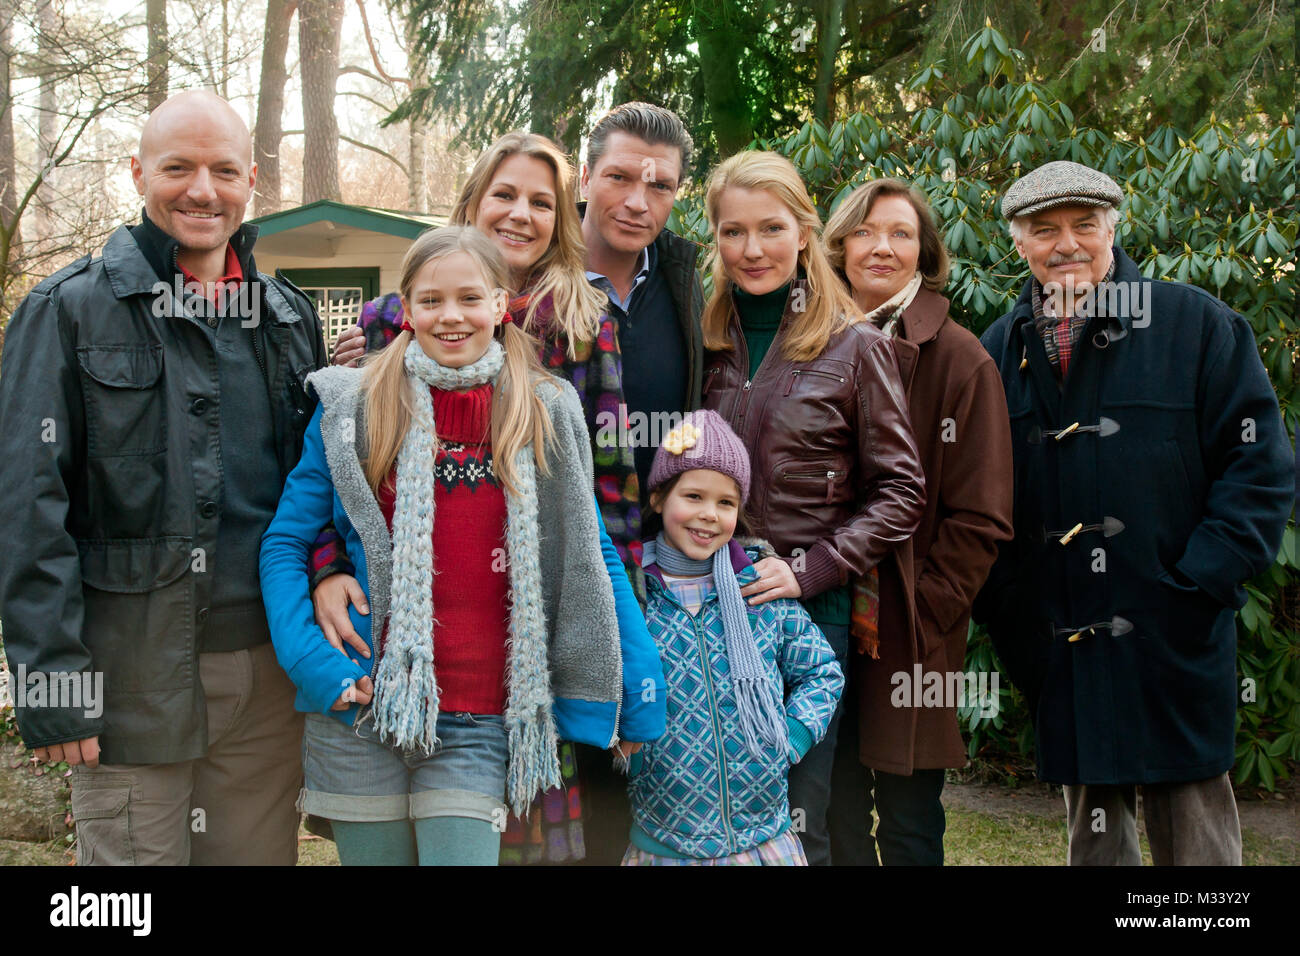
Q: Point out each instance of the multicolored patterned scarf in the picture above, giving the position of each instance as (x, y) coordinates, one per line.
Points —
(596, 372)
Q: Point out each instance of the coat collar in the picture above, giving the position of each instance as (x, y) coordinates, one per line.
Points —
(920, 322)
(130, 270)
(923, 319)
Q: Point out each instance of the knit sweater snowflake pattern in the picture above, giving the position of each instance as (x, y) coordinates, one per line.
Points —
(471, 576)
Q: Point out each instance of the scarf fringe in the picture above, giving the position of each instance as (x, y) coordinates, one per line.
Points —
(534, 760)
(406, 689)
(759, 707)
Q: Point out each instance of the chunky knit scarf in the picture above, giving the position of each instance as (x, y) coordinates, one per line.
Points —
(758, 699)
(406, 691)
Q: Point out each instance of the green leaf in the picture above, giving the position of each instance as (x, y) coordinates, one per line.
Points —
(1265, 767)
(1222, 272)
(1246, 766)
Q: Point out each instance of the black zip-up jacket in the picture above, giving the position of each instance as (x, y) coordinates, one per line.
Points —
(677, 258)
(677, 262)
(112, 482)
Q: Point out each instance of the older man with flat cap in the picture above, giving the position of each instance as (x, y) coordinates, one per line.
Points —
(1152, 478)
(151, 407)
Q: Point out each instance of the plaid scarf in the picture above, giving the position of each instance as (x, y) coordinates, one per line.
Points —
(1059, 334)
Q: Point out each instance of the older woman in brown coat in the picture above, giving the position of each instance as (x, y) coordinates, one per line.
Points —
(884, 242)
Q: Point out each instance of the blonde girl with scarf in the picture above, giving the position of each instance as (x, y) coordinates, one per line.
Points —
(452, 441)
(521, 194)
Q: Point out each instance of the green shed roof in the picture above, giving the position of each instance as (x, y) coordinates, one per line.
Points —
(407, 225)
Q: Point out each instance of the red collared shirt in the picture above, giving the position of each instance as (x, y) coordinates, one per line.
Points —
(234, 274)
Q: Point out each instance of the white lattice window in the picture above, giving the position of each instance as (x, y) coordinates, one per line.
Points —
(339, 307)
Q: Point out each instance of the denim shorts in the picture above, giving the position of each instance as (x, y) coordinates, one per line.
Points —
(350, 775)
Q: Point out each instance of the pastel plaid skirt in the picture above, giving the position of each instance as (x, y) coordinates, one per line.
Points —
(783, 850)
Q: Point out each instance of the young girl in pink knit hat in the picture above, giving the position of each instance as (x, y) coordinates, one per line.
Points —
(750, 688)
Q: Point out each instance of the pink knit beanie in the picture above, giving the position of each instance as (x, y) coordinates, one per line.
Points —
(703, 440)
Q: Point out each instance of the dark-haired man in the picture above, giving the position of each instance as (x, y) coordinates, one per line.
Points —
(637, 155)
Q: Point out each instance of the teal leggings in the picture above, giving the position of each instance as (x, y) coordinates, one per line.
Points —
(434, 841)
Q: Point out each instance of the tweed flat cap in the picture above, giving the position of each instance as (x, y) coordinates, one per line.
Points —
(1060, 183)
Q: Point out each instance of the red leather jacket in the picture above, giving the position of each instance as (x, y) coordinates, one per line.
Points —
(837, 482)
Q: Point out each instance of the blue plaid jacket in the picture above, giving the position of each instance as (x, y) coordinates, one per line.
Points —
(696, 792)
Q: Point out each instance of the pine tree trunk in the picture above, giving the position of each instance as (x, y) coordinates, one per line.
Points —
(417, 167)
(417, 179)
(828, 46)
(721, 72)
(319, 22)
(270, 105)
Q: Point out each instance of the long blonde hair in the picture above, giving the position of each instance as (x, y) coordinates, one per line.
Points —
(518, 413)
(561, 272)
(828, 307)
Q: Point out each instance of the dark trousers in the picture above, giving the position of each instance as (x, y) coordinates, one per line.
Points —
(606, 813)
(810, 778)
(911, 814)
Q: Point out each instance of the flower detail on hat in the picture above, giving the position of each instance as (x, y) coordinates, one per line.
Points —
(681, 438)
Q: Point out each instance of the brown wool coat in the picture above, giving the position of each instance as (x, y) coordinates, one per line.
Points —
(947, 376)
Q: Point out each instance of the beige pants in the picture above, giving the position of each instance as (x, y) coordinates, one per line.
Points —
(1188, 824)
(234, 806)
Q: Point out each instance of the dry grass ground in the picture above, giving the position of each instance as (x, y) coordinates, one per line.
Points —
(985, 828)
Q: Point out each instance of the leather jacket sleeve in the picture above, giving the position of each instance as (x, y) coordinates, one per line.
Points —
(892, 483)
(41, 435)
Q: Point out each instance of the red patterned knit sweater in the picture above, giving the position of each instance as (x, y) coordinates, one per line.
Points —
(471, 575)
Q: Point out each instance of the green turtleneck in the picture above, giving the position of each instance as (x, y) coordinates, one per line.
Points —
(760, 317)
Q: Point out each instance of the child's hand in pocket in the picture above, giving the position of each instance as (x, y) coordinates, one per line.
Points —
(358, 693)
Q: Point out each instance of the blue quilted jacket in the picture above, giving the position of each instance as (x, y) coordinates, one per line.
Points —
(696, 791)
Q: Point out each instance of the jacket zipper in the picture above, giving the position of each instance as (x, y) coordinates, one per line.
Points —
(830, 480)
(705, 669)
(795, 373)
(618, 701)
(744, 348)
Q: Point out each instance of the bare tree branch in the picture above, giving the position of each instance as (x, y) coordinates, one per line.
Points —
(374, 54)
(356, 142)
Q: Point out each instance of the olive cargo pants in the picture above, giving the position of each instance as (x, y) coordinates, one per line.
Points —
(234, 806)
